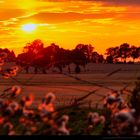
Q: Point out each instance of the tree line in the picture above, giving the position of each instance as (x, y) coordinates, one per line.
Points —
(37, 55)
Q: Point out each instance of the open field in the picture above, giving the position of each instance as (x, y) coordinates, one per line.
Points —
(65, 88)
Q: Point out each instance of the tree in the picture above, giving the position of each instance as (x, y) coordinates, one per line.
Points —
(78, 57)
(34, 47)
(101, 58)
(30, 53)
(125, 51)
(11, 56)
(112, 54)
(45, 58)
(138, 52)
(95, 57)
(86, 49)
(109, 59)
(134, 53)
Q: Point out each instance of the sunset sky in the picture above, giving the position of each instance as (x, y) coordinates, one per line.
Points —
(102, 23)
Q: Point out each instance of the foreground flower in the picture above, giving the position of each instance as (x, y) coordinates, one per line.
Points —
(47, 105)
(27, 100)
(12, 91)
(62, 128)
(95, 119)
(1, 120)
(16, 90)
(125, 115)
(12, 108)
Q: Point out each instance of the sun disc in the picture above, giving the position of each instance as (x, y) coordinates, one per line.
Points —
(29, 27)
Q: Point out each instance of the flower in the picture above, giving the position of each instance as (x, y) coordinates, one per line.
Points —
(16, 90)
(49, 98)
(5, 75)
(47, 105)
(125, 115)
(12, 133)
(12, 108)
(95, 119)
(8, 125)
(114, 101)
(1, 120)
(28, 113)
(46, 109)
(27, 100)
(61, 125)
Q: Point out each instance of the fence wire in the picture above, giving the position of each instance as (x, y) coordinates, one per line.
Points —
(68, 75)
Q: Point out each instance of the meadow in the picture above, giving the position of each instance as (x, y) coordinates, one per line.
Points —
(67, 88)
(89, 103)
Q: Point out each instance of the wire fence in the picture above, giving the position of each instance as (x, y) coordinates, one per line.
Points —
(73, 99)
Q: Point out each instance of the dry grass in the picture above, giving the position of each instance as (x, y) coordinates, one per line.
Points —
(66, 88)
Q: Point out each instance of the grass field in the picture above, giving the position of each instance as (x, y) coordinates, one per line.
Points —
(66, 88)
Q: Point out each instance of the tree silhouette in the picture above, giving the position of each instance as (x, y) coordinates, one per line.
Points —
(10, 54)
(109, 59)
(138, 52)
(134, 53)
(112, 54)
(34, 47)
(45, 58)
(97, 58)
(87, 50)
(125, 51)
(40, 57)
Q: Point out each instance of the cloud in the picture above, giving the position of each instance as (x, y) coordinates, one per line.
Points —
(10, 13)
(120, 2)
(65, 17)
(108, 2)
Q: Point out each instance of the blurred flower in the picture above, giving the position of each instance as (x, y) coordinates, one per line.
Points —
(1, 120)
(62, 129)
(102, 119)
(22, 120)
(16, 90)
(5, 75)
(33, 129)
(46, 109)
(11, 133)
(27, 100)
(47, 105)
(3, 103)
(94, 119)
(12, 108)
(28, 113)
(9, 126)
(12, 91)
(125, 115)
(113, 101)
(49, 98)
(28, 133)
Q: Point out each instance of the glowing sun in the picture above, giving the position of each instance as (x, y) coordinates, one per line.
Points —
(29, 27)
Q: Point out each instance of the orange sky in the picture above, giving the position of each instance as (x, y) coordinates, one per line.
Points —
(102, 23)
